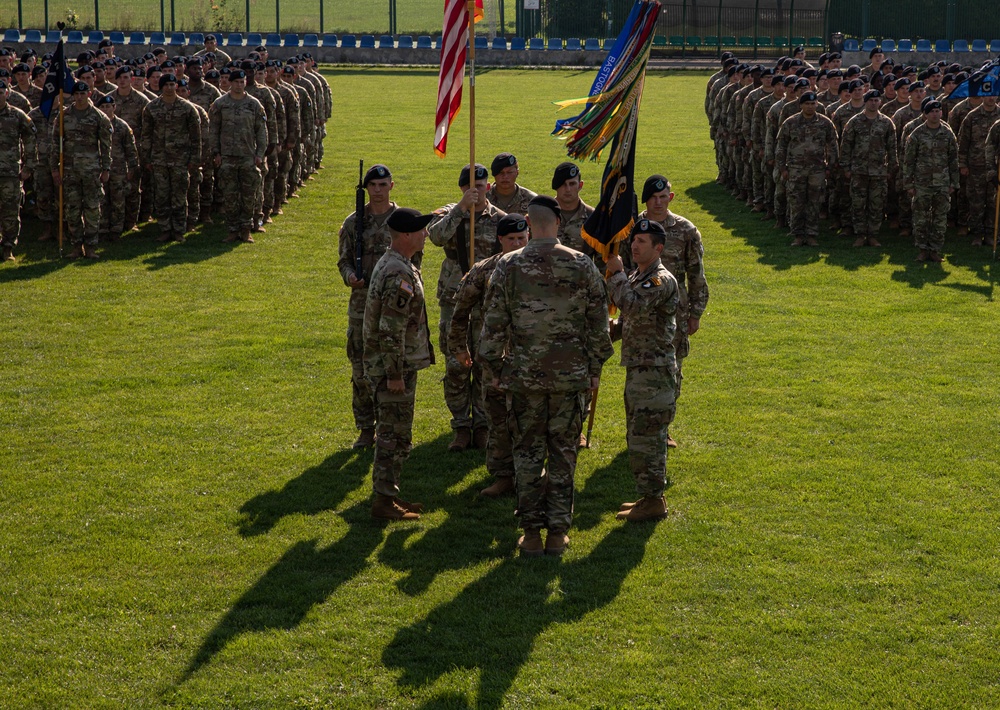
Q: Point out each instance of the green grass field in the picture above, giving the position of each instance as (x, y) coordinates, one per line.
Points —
(184, 523)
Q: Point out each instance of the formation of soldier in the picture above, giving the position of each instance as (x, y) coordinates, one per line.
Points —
(857, 145)
(174, 137)
(525, 332)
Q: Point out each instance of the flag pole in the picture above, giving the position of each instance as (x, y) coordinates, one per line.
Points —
(472, 126)
(61, 170)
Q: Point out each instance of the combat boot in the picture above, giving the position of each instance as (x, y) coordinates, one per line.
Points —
(530, 544)
(628, 506)
(365, 439)
(873, 242)
(922, 256)
(410, 507)
(205, 217)
(90, 251)
(935, 256)
(232, 237)
(388, 508)
(645, 509)
(860, 241)
(504, 485)
(582, 442)
(905, 232)
(7, 254)
(556, 543)
(781, 222)
(245, 235)
(462, 440)
(76, 253)
(798, 241)
(46, 234)
(165, 236)
(811, 242)
(480, 438)
(671, 444)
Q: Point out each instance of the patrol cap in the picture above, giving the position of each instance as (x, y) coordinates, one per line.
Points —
(406, 220)
(564, 171)
(502, 162)
(463, 177)
(901, 84)
(235, 74)
(80, 86)
(376, 172)
(106, 99)
(873, 94)
(648, 226)
(20, 67)
(511, 224)
(808, 96)
(193, 62)
(167, 79)
(654, 184)
(929, 104)
(546, 201)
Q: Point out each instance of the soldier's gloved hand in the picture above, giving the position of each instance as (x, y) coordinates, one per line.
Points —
(105, 176)
(964, 172)
(25, 174)
(464, 359)
(396, 386)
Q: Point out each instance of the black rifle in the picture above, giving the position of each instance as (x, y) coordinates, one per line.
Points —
(359, 222)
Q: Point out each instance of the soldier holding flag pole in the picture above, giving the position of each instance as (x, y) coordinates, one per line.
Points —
(58, 82)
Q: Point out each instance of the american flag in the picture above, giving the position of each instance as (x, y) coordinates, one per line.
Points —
(454, 38)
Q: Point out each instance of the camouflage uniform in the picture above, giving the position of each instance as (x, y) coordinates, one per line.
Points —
(307, 117)
(772, 125)
(129, 108)
(267, 100)
(516, 203)
(41, 175)
(546, 334)
(972, 156)
(992, 158)
(171, 141)
(290, 101)
(930, 168)
(807, 149)
(86, 154)
(900, 119)
(198, 175)
(462, 389)
(868, 153)
(463, 336)
(124, 162)
(840, 186)
(17, 148)
(238, 133)
(571, 227)
(308, 162)
(763, 190)
(19, 101)
(648, 301)
(204, 95)
(396, 346)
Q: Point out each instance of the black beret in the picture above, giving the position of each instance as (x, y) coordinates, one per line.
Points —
(918, 85)
(292, 60)
(376, 172)
(961, 76)
(648, 226)
(901, 84)
(835, 73)
(888, 79)
(928, 105)
(212, 74)
(167, 79)
(211, 38)
(147, 56)
(654, 184)
(564, 171)
(546, 201)
(890, 61)
(501, 162)
(237, 74)
(809, 73)
(802, 83)
(511, 223)
(843, 86)
(260, 48)
(481, 174)
(873, 94)
(948, 79)
(856, 84)
(933, 70)
(83, 58)
(193, 62)
(288, 70)
(226, 72)
(139, 71)
(247, 65)
(824, 57)
(789, 80)
(83, 70)
(798, 49)
(208, 55)
(3, 85)
(105, 43)
(182, 82)
(20, 67)
(875, 50)
(97, 65)
(852, 70)
(106, 99)
(38, 70)
(47, 56)
(796, 63)
(121, 71)
(808, 96)
(158, 51)
(834, 56)
(731, 70)
(80, 86)
(28, 53)
(727, 55)
(406, 220)
(273, 63)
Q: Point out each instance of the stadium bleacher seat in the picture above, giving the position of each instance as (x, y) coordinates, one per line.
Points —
(594, 45)
(137, 38)
(536, 43)
(517, 44)
(924, 45)
(437, 41)
(499, 43)
(348, 41)
(482, 43)
(367, 42)
(815, 42)
(673, 41)
(235, 39)
(850, 45)
(117, 37)
(888, 45)
(405, 42)
(177, 39)
(291, 40)
(995, 46)
(255, 39)
(573, 44)
(95, 37)
(961, 45)
(711, 41)
(658, 41)
(12, 35)
(609, 42)
(942, 45)
(780, 41)
(979, 45)
(798, 41)
(764, 42)
(869, 44)
(746, 42)
(53, 36)
(329, 40)
(555, 44)
(196, 39)
(386, 42)
(74, 37)
(729, 41)
(33, 36)
(310, 40)
(904, 45)
(273, 40)
(157, 38)
(423, 42)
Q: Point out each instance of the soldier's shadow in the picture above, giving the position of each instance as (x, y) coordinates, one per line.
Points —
(978, 260)
(202, 244)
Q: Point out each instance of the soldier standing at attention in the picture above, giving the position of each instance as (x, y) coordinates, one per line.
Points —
(546, 336)
(930, 176)
(238, 140)
(267, 100)
(41, 178)
(290, 100)
(974, 168)
(198, 175)
(124, 164)
(806, 154)
(868, 158)
(376, 237)
(397, 346)
(573, 212)
(648, 301)
(203, 94)
(129, 105)
(86, 169)
(463, 340)
(17, 150)
(506, 194)
(212, 47)
(450, 230)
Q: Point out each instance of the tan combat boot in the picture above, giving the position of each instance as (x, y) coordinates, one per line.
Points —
(645, 509)
(365, 439)
(7, 254)
(873, 242)
(46, 234)
(582, 441)
(462, 440)
(530, 544)
(387, 508)
(502, 486)
(245, 235)
(480, 438)
(556, 543)
(922, 256)
(410, 507)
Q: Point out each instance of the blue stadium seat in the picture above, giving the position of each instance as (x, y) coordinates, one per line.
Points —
(273, 40)
(555, 44)
(995, 46)
(437, 42)
(255, 39)
(53, 37)
(517, 44)
(424, 42)
(118, 38)
(942, 45)
(386, 42)
(405, 42)
(573, 44)
(348, 41)
(888, 45)
(235, 39)
(196, 39)
(33, 37)
(177, 39)
(850, 45)
(868, 45)
(368, 41)
(594, 45)
(95, 37)
(536, 43)
(157, 38)
(905, 45)
(12, 36)
(291, 40)
(961, 45)
(924, 45)
(978, 45)
(499, 43)
(310, 40)
(482, 43)
(609, 42)
(74, 37)
(137, 38)
(329, 40)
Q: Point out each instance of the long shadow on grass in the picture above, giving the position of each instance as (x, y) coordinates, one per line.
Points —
(493, 623)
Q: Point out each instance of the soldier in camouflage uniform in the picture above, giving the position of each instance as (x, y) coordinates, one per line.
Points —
(267, 100)
(307, 118)
(900, 119)
(648, 302)
(124, 165)
(212, 46)
(396, 346)
(129, 105)
(545, 335)
(754, 151)
(773, 124)
(960, 206)
(324, 97)
(271, 160)
(867, 158)
(41, 175)
(840, 185)
(450, 230)
(463, 340)
(973, 166)
(203, 94)
(17, 148)
(238, 141)
(86, 169)
(375, 239)
(283, 162)
(171, 150)
(506, 194)
(992, 159)
(930, 175)
(21, 73)
(806, 154)
(198, 174)
(309, 131)
(574, 212)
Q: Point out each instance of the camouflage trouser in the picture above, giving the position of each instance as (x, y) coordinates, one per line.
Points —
(294, 169)
(930, 217)
(868, 195)
(805, 192)
(320, 141)
(281, 178)
(905, 210)
(840, 199)
(462, 387)
(240, 179)
(362, 402)
(269, 179)
(649, 409)
(546, 432)
(682, 347)
(769, 185)
(308, 152)
(258, 199)
(758, 181)
(393, 433)
(170, 191)
(145, 197)
(739, 165)
(10, 210)
(45, 195)
(82, 196)
(892, 196)
(207, 187)
(980, 195)
(113, 207)
(724, 162)
(780, 195)
(499, 450)
(194, 196)
(960, 206)
(132, 201)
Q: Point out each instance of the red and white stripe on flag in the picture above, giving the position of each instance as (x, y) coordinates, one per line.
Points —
(454, 38)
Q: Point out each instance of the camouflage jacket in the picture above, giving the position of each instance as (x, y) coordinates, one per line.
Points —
(868, 146)
(396, 336)
(237, 128)
(124, 156)
(266, 99)
(993, 148)
(307, 112)
(43, 139)
(17, 141)
(890, 107)
(129, 108)
(18, 100)
(771, 125)
(545, 328)
(205, 124)
(450, 231)
(758, 130)
(648, 301)
(907, 130)
(746, 109)
(844, 114)
(958, 114)
(901, 118)
(712, 80)
(571, 225)
(171, 133)
(518, 202)
(290, 103)
(204, 95)
(33, 94)
(467, 320)
(931, 160)
(86, 140)
(806, 144)
(972, 138)
(792, 107)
